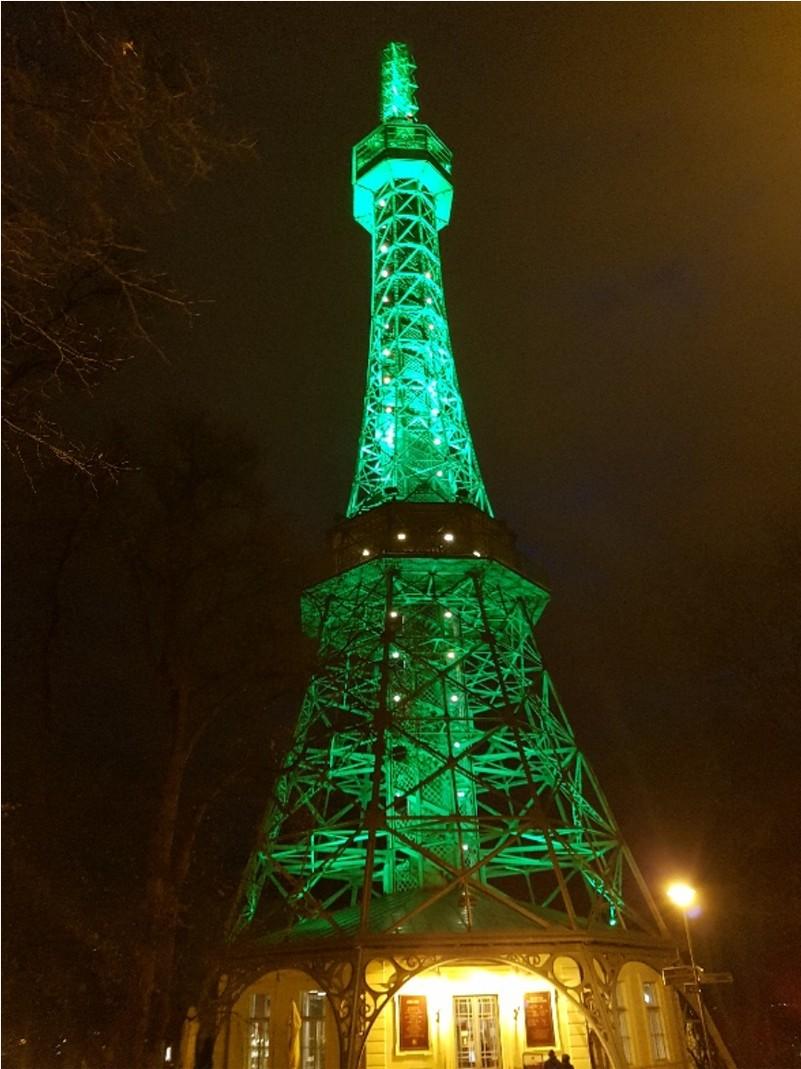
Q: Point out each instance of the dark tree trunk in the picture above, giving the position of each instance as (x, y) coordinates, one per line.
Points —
(151, 984)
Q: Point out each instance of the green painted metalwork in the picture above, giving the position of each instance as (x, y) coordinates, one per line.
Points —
(415, 443)
(433, 763)
(397, 83)
(432, 754)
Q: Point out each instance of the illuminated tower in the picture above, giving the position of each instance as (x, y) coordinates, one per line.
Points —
(434, 813)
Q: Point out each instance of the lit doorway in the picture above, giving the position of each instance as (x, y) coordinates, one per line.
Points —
(478, 1044)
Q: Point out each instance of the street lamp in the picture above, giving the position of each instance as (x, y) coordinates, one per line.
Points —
(683, 896)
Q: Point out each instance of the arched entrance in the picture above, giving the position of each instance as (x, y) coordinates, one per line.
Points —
(505, 1010)
(476, 1015)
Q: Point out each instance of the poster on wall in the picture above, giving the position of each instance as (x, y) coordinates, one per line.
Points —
(412, 1022)
(539, 1019)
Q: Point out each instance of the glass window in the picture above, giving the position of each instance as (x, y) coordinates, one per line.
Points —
(258, 1052)
(477, 1032)
(623, 1025)
(656, 1023)
(312, 1034)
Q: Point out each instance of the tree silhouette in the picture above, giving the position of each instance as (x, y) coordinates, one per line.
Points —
(101, 130)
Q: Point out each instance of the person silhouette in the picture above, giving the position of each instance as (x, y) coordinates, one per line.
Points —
(551, 1062)
(566, 1062)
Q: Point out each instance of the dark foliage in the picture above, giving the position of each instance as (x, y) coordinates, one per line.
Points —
(168, 670)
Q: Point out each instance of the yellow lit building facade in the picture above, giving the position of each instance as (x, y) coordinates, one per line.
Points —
(458, 1015)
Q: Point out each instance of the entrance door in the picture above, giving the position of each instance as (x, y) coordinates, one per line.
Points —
(478, 1044)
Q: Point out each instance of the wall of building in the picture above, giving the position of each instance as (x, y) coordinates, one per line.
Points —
(647, 1016)
(643, 1005)
(237, 1046)
(509, 986)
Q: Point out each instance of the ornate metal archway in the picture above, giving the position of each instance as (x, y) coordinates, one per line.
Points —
(349, 977)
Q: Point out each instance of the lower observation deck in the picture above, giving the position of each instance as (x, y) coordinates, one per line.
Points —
(423, 529)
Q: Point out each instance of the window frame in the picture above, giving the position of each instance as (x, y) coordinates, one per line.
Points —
(623, 1020)
(258, 1029)
(654, 1015)
(312, 1030)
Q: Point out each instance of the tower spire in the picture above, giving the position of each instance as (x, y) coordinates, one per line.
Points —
(397, 83)
(415, 443)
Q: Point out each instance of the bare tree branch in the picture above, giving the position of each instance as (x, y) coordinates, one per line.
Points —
(99, 131)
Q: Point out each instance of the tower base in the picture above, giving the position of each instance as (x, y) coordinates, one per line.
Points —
(443, 1002)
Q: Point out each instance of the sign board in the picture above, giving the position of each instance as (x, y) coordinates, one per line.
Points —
(682, 976)
(678, 975)
(412, 1022)
(539, 1019)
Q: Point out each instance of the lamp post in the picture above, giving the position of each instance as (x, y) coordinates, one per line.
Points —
(683, 896)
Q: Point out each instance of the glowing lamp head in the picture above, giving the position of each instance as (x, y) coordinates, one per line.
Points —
(681, 895)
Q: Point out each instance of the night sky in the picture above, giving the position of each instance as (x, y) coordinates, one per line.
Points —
(622, 278)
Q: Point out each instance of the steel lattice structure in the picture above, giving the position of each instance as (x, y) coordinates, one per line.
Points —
(415, 443)
(434, 803)
(432, 755)
(432, 759)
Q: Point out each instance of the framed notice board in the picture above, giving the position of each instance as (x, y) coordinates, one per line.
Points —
(412, 1022)
(539, 1019)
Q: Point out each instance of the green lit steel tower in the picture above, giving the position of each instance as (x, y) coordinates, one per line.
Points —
(415, 444)
(434, 791)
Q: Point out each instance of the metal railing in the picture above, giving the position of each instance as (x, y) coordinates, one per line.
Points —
(413, 137)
